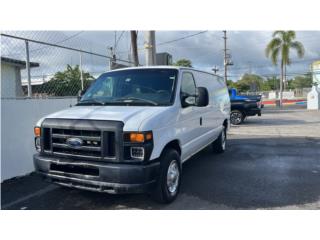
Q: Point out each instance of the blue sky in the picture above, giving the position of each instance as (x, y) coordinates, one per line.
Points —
(204, 50)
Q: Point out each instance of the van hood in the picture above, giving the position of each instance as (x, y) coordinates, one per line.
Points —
(131, 116)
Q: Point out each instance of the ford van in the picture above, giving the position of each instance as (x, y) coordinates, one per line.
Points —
(132, 130)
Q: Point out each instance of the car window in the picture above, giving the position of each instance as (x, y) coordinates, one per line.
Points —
(133, 87)
(188, 85)
(104, 89)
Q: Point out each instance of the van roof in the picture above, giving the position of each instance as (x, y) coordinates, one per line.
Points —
(163, 67)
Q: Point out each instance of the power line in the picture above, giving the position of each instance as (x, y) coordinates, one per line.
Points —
(61, 46)
(171, 41)
(117, 41)
(182, 38)
(58, 42)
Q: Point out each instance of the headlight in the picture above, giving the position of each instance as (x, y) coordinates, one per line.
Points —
(138, 145)
(137, 153)
(37, 144)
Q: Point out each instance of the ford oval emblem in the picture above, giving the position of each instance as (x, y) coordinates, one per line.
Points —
(74, 142)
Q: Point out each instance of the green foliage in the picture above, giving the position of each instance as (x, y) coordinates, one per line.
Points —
(249, 82)
(255, 83)
(183, 63)
(231, 84)
(66, 83)
(301, 82)
(271, 84)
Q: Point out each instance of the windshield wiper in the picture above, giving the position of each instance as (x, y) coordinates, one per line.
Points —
(137, 99)
(90, 102)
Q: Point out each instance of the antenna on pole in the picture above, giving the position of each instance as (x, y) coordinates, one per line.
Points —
(215, 69)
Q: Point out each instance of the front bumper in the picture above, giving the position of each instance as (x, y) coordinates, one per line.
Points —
(96, 176)
(253, 112)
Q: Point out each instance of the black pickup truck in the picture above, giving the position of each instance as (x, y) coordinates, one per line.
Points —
(243, 106)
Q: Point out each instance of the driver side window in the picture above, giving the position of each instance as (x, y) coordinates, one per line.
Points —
(188, 85)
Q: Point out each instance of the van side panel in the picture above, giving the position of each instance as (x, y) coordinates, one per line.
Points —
(174, 127)
(217, 110)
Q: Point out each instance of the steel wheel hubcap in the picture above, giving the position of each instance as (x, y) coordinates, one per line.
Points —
(236, 117)
(173, 176)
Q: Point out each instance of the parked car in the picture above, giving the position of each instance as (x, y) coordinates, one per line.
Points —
(133, 129)
(243, 106)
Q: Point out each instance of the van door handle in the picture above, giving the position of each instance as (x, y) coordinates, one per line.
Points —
(200, 121)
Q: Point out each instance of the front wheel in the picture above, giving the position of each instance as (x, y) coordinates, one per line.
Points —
(236, 117)
(168, 184)
(219, 145)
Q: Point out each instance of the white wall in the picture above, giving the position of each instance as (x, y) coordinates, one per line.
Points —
(10, 75)
(18, 117)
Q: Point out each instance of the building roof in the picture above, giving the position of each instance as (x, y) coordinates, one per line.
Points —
(18, 63)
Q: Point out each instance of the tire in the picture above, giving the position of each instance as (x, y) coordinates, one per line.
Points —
(168, 184)
(219, 145)
(236, 117)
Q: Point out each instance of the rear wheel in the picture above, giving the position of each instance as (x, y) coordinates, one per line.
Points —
(219, 145)
(236, 117)
(168, 184)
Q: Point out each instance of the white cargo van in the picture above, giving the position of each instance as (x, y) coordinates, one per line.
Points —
(133, 129)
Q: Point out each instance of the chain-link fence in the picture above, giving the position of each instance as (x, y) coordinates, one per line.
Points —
(38, 69)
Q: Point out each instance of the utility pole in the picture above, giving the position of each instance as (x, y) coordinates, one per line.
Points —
(134, 48)
(28, 69)
(150, 47)
(112, 59)
(81, 74)
(225, 55)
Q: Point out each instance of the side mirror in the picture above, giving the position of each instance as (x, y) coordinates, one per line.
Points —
(202, 98)
(80, 94)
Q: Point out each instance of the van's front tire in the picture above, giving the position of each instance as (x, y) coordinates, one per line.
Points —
(219, 145)
(169, 181)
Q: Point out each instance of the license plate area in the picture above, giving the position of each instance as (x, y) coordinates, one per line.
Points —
(75, 169)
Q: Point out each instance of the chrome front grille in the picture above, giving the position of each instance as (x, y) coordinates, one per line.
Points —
(96, 144)
(91, 142)
(99, 139)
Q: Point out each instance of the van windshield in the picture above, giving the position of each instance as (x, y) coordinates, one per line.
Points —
(152, 87)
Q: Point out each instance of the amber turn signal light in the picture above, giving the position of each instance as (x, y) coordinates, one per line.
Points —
(140, 137)
(37, 131)
(136, 137)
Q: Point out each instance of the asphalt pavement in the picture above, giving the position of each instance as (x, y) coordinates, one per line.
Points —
(271, 162)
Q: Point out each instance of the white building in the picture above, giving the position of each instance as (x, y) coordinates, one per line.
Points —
(11, 77)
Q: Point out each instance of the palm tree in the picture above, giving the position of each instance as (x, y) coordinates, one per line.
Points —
(280, 46)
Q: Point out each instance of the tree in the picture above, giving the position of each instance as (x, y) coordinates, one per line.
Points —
(66, 83)
(231, 84)
(250, 82)
(183, 63)
(280, 46)
(302, 81)
(271, 83)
